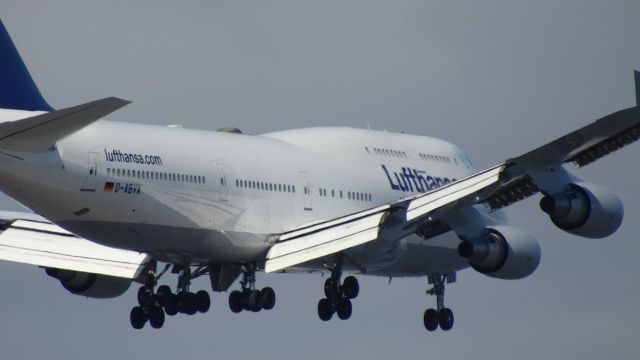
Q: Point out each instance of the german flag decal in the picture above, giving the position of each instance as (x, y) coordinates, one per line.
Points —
(108, 186)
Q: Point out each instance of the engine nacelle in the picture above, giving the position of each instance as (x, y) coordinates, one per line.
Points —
(90, 285)
(504, 252)
(585, 209)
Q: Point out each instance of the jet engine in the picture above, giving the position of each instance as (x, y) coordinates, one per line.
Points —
(90, 285)
(503, 252)
(585, 209)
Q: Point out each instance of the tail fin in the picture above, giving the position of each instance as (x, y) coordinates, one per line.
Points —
(17, 89)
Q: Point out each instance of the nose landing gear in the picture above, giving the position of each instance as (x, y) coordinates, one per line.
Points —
(441, 316)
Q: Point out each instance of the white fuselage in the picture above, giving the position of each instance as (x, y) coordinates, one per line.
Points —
(210, 197)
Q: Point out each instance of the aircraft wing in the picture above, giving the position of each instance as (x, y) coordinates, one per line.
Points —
(31, 239)
(496, 187)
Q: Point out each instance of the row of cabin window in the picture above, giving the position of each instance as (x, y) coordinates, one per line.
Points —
(259, 185)
(351, 195)
(155, 175)
(439, 158)
(388, 152)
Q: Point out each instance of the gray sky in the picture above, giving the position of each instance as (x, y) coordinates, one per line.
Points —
(497, 78)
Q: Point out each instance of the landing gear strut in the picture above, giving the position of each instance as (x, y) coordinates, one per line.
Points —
(152, 305)
(250, 298)
(338, 297)
(441, 316)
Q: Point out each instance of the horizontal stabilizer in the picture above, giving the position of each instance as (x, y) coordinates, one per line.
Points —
(41, 132)
(45, 244)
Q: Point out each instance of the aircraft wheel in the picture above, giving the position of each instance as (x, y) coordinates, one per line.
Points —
(144, 296)
(163, 293)
(255, 301)
(171, 304)
(187, 303)
(430, 319)
(236, 301)
(325, 309)
(156, 317)
(350, 287)
(328, 288)
(268, 298)
(203, 301)
(191, 304)
(344, 308)
(445, 319)
(137, 317)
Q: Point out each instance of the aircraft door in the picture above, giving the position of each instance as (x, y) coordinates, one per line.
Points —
(306, 191)
(223, 189)
(91, 180)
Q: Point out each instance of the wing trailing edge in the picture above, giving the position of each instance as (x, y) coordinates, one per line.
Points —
(33, 240)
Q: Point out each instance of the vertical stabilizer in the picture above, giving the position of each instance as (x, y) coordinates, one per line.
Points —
(17, 89)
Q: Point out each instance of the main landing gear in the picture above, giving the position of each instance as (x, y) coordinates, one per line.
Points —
(441, 316)
(250, 298)
(338, 297)
(154, 305)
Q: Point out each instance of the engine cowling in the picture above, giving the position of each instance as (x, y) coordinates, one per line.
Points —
(585, 209)
(90, 285)
(503, 252)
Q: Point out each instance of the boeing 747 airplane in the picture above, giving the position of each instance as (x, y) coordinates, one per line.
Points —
(116, 203)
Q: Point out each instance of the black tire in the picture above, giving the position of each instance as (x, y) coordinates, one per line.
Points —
(203, 301)
(138, 318)
(187, 303)
(236, 301)
(246, 293)
(325, 309)
(268, 298)
(191, 304)
(445, 319)
(430, 319)
(162, 294)
(156, 317)
(144, 296)
(181, 301)
(255, 300)
(344, 308)
(350, 287)
(171, 304)
(328, 288)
